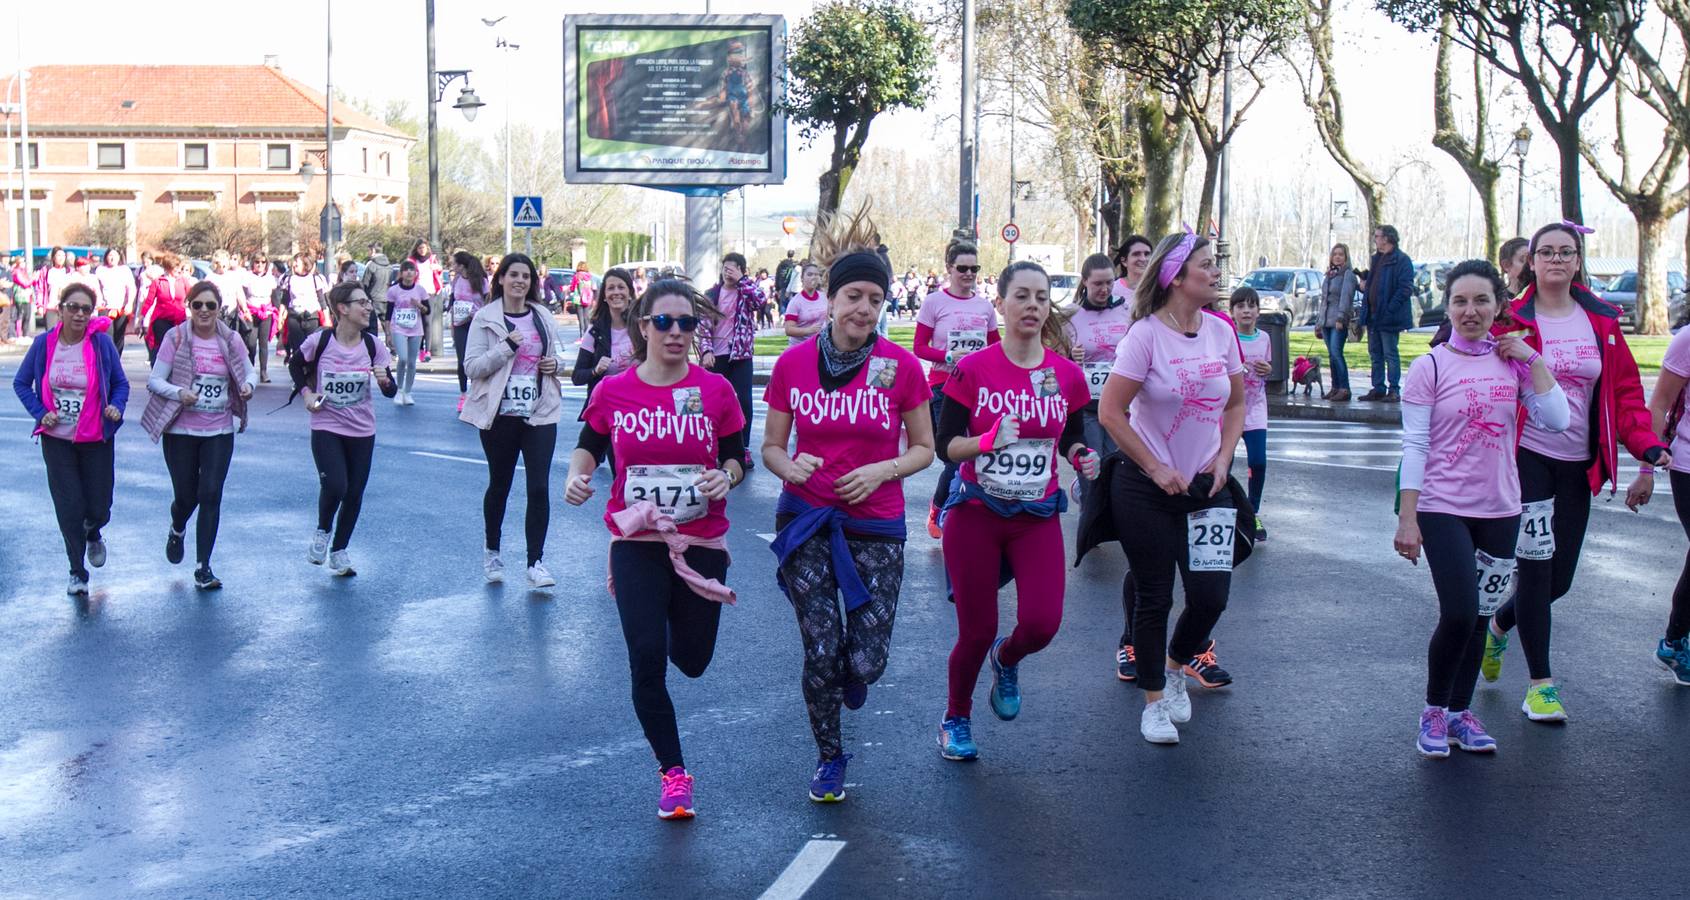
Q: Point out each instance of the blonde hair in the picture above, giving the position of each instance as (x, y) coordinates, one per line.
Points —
(839, 234)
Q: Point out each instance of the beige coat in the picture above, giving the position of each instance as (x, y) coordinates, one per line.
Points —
(488, 358)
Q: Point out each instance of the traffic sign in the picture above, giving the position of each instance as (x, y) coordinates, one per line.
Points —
(1012, 232)
(526, 212)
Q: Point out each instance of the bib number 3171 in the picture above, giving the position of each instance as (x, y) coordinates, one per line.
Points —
(672, 489)
(1209, 539)
(1496, 581)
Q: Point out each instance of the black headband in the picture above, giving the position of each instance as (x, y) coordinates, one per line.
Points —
(865, 265)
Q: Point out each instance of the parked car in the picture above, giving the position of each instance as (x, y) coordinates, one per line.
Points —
(1430, 279)
(1622, 292)
(1062, 287)
(1291, 291)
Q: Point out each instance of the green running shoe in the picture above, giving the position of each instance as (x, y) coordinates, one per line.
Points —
(1543, 704)
(1491, 665)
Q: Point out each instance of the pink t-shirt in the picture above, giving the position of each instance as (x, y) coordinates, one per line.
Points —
(1097, 332)
(69, 381)
(671, 425)
(1470, 467)
(621, 350)
(806, 310)
(1677, 361)
(858, 424)
(1186, 383)
(1257, 348)
(400, 299)
(722, 330)
(971, 319)
(1572, 354)
(1120, 291)
(215, 383)
(343, 375)
(992, 386)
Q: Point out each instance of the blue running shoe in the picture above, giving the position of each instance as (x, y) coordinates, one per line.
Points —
(1434, 733)
(1674, 656)
(1467, 732)
(856, 694)
(828, 784)
(1006, 689)
(956, 739)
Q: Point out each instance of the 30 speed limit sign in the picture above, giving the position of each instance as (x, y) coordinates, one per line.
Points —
(1012, 232)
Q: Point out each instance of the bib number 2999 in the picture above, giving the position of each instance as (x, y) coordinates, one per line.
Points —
(1020, 471)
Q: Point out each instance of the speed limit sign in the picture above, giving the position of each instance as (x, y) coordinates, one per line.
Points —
(1012, 232)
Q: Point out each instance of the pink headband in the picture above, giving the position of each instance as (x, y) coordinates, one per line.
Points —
(1176, 258)
(1574, 226)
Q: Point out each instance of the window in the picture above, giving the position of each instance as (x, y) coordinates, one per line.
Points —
(278, 156)
(109, 156)
(34, 224)
(366, 152)
(34, 155)
(196, 156)
(196, 216)
(387, 163)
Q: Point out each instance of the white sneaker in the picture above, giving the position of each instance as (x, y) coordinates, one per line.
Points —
(399, 399)
(493, 567)
(319, 549)
(1178, 699)
(538, 577)
(77, 586)
(410, 400)
(340, 563)
(1155, 724)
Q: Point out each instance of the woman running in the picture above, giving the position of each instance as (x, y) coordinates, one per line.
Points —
(469, 294)
(407, 304)
(117, 294)
(50, 283)
(952, 323)
(73, 385)
(806, 312)
(432, 280)
(1131, 260)
(199, 386)
(1008, 411)
(1584, 346)
(676, 429)
(1459, 490)
(1666, 407)
(851, 396)
(263, 291)
(333, 369)
(165, 306)
(730, 345)
(1174, 404)
(516, 399)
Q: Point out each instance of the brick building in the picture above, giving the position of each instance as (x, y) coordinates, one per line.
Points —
(150, 146)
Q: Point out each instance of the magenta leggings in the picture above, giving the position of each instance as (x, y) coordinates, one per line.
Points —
(976, 543)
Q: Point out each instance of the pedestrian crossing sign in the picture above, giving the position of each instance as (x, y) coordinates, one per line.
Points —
(526, 212)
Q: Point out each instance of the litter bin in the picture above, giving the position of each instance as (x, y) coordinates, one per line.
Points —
(1277, 326)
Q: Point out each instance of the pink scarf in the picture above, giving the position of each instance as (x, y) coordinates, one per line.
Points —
(1484, 347)
(88, 426)
(644, 522)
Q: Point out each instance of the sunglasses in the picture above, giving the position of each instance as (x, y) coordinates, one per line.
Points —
(665, 322)
(967, 270)
(204, 304)
(76, 309)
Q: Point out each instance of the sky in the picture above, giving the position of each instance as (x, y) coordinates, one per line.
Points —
(379, 54)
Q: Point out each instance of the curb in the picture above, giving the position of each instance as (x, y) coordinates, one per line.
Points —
(1356, 411)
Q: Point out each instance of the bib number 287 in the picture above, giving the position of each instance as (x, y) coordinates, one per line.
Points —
(1209, 539)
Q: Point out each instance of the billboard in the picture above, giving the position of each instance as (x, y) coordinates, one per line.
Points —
(674, 100)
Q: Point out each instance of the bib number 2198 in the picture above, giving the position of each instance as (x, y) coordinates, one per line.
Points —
(1209, 539)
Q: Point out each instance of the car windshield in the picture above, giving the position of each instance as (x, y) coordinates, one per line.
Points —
(1626, 282)
(1060, 280)
(1268, 281)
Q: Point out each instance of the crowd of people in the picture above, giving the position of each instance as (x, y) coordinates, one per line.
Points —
(1145, 386)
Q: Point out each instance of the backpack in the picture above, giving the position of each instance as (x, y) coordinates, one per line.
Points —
(304, 371)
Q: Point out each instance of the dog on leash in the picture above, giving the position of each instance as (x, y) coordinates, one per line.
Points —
(1305, 373)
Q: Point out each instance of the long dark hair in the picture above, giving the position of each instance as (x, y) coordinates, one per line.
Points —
(422, 242)
(601, 309)
(1054, 332)
(666, 287)
(510, 259)
(474, 272)
(1482, 268)
(1528, 276)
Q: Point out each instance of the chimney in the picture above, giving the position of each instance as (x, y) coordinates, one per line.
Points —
(272, 61)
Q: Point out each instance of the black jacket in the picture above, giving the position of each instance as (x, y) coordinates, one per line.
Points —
(1097, 521)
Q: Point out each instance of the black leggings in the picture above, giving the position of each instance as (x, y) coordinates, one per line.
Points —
(343, 469)
(1452, 658)
(158, 330)
(1678, 626)
(80, 476)
(1540, 582)
(510, 436)
(460, 341)
(198, 467)
(119, 331)
(942, 490)
(663, 620)
(738, 373)
(1153, 528)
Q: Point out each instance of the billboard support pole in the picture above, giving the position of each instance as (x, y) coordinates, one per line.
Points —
(704, 239)
(966, 208)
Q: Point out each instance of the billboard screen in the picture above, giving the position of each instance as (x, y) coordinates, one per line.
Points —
(674, 100)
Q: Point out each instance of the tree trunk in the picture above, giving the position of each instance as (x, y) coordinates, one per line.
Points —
(1652, 297)
(847, 153)
(1493, 221)
(1159, 136)
(1567, 147)
(1211, 177)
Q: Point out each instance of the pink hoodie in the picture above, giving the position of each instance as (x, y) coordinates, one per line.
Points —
(88, 427)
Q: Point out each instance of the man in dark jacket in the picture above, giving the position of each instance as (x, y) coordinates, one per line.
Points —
(378, 276)
(783, 277)
(1387, 312)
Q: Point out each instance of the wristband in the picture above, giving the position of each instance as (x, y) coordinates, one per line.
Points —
(895, 475)
(1533, 358)
(1646, 469)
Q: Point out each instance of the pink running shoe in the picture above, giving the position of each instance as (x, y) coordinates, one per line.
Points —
(676, 800)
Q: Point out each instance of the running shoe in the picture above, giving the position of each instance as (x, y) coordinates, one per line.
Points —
(1178, 696)
(319, 549)
(1126, 663)
(173, 550)
(340, 564)
(828, 784)
(77, 586)
(933, 530)
(204, 580)
(1156, 725)
(1261, 530)
(1206, 670)
(493, 567)
(956, 739)
(410, 400)
(1468, 733)
(1433, 741)
(96, 551)
(399, 399)
(675, 800)
(1490, 665)
(1006, 688)
(1543, 703)
(856, 693)
(1674, 656)
(538, 577)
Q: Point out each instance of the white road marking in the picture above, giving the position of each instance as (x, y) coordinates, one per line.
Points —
(1320, 441)
(1329, 465)
(17, 419)
(804, 870)
(462, 459)
(767, 536)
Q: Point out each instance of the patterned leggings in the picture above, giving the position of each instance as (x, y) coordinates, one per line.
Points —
(838, 651)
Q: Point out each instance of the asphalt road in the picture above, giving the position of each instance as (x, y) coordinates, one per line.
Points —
(415, 732)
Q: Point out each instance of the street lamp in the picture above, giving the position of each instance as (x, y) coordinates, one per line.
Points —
(307, 171)
(500, 43)
(1522, 145)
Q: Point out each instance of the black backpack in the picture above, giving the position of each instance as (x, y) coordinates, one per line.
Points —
(304, 371)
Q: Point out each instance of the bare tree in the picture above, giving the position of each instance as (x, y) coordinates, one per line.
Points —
(1321, 94)
(1482, 169)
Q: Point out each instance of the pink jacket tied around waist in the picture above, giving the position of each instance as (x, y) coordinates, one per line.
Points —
(644, 522)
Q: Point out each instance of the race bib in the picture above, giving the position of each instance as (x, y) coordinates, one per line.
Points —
(462, 310)
(1496, 581)
(1020, 471)
(1209, 539)
(963, 341)
(1096, 374)
(406, 317)
(1537, 533)
(213, 391)
(520, 393)
(670, 488)
(68, 406)
(345, 389)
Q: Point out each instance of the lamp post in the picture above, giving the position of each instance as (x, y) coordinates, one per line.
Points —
(499, 43)
(468, 104)
(1522, 145)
